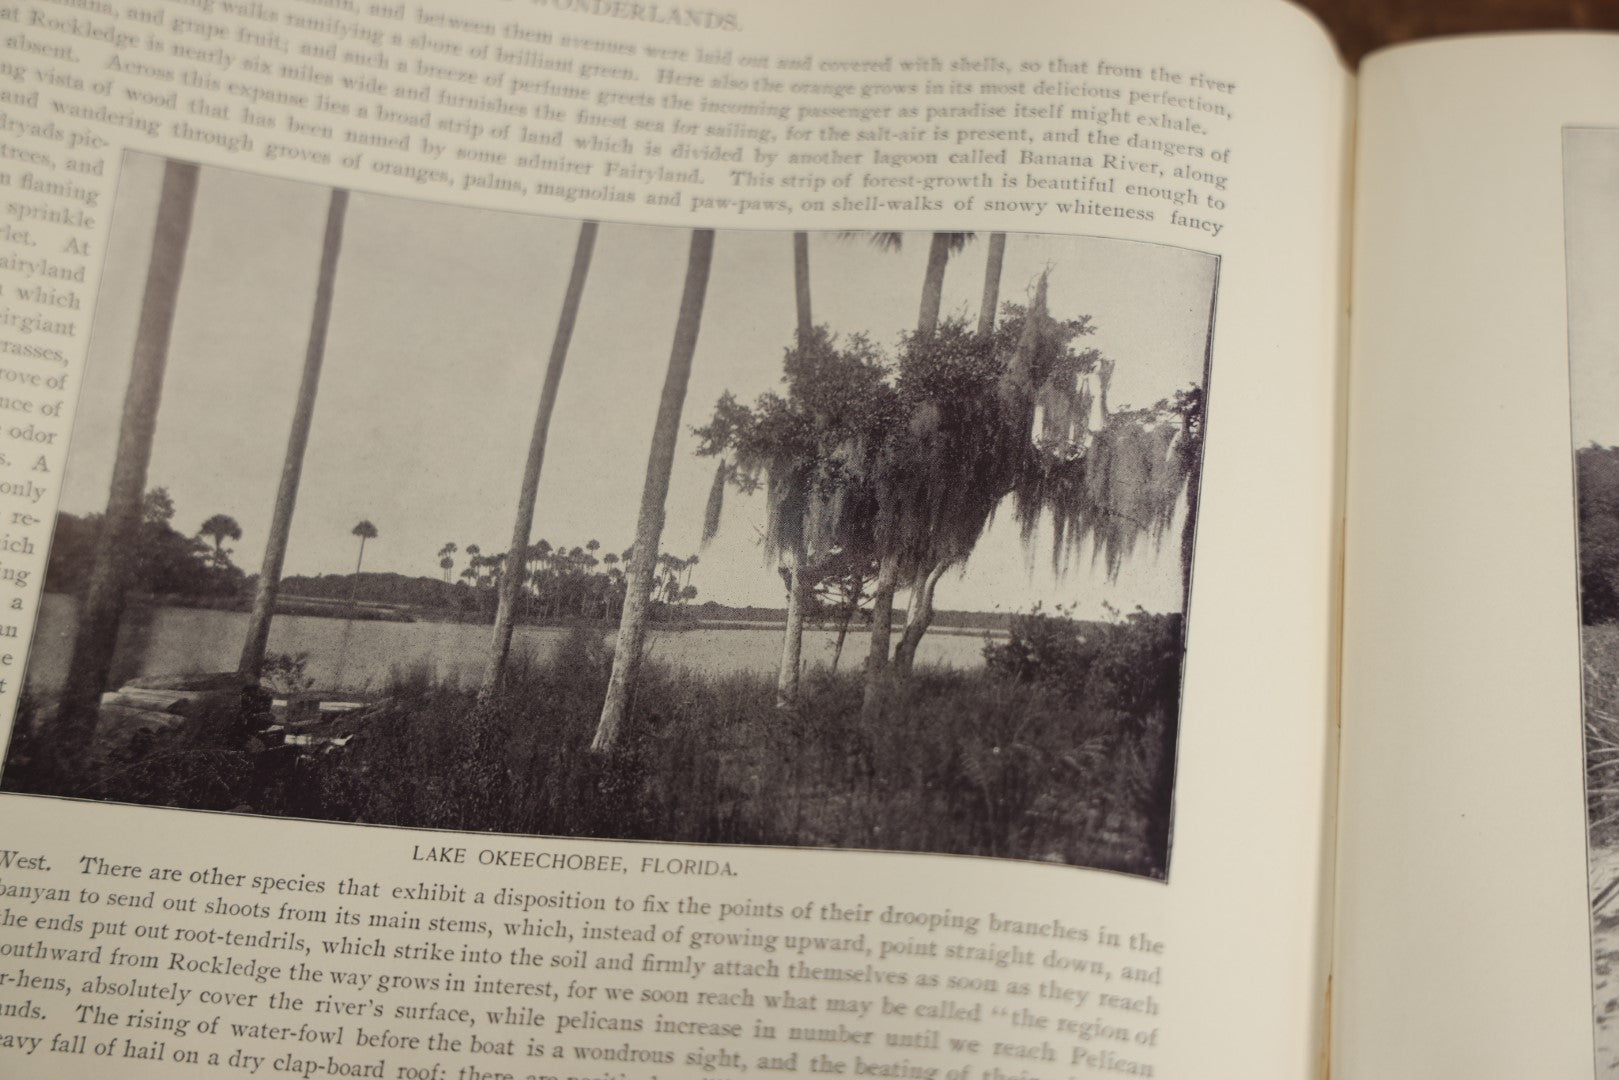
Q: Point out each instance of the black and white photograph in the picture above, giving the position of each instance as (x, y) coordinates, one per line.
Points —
(387, 511)
(1591, 212)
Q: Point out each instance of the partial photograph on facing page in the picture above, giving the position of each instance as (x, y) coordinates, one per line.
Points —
(1591, 233)
(385, 511)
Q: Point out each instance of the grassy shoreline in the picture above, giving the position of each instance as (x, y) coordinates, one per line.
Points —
(990, 762)
(366, 611)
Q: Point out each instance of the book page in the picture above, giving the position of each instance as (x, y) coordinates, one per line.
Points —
(605, 539)
(1464, 932)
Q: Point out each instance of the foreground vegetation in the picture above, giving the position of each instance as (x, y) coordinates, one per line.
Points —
(1600, 646)
(1061, 748)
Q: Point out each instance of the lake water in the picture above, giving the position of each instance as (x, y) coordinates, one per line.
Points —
(357, 655)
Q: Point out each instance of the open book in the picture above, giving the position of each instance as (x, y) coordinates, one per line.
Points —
(606, 539)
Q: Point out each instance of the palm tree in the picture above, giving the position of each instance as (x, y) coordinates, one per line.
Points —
(942, 246)
(992, 284)
(792, 646)
(286, 496)
(668, 586)
(544, 572)
(660, 462)
(365, 531)
(512, 583)
(220, 527)
(801, 284)
(446, 558)
(103, 605)
(614, 579)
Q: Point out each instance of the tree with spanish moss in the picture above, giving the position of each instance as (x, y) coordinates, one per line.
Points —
(926, 575)
(891, 570)
(1021, 411)
(806, 449)
(1107, 480)
(794, 556)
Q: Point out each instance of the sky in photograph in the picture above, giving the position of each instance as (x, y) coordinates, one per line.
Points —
(441, 324)
(1591, 214)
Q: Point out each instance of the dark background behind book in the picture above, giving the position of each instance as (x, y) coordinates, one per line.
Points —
(1363, 25)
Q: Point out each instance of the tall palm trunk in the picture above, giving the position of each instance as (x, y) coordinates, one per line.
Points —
(511, 586)
(649, 526)
(792, 646)
(933, 283)
(992, 284)
(286, 496)
(801, 285)
(354, 588)
(103, 607)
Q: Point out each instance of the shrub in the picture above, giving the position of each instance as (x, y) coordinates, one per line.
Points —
(205, 762)
(1052, 649)
(1123, 681)
(286, 673)
(1131, 664)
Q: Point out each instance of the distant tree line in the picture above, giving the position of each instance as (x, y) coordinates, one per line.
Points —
(558, 584)
(163, 560)
(561, 582)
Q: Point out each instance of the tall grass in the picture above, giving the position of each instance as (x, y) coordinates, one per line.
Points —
(1600, 647)
(962, 762)
(989, 762)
